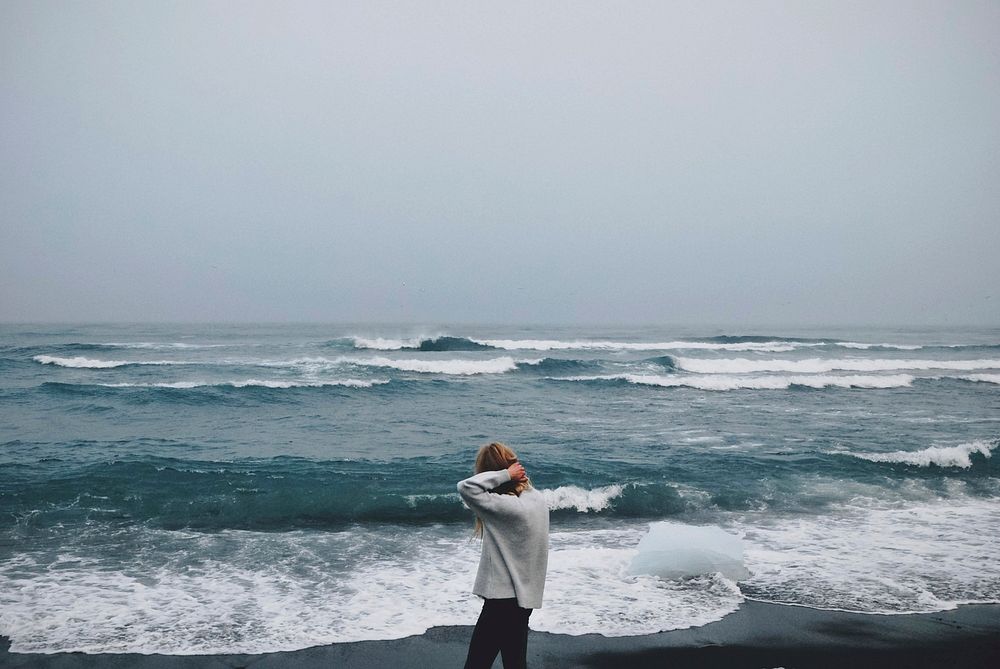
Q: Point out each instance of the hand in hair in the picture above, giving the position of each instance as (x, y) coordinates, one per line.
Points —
(517, 473)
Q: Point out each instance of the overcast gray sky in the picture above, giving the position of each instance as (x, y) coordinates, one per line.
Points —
(578, 162)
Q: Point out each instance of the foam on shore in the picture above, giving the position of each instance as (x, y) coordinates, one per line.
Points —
(266, 592)
(240, 591)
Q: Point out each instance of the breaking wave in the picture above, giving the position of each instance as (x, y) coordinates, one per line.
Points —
(822, 365)
(558, 345)
(730, 382)
(665, 361)
(186, 385)
(581, 499)
(556, 365)
(284, 494)
(88, 363)
(384, 344)
(865, 347)
(941, 456)
(982, 378)
(439, 343)
(153, 345)
(456, 367)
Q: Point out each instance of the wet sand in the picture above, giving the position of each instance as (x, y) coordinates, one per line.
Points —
(757, 636)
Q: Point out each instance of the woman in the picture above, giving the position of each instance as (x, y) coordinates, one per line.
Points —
(513, 521)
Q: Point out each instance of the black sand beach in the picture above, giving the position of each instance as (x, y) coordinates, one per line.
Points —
(757, 636)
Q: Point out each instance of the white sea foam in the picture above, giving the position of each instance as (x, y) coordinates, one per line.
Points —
(183, 592)
(588, 589)
(351, 383)
(461, 366)
(581, 499)
(942, 456)
(453, 366)
(385, 344)
(173, 384)
(457, 366)
(291, 590)
(414, 500)
(766, 382)
(775, 346)
(557, 345)
(822, 365)
(89, 363)
(982, 378)
(859, 345)
(78, 361)
(922, 557)
(158, 345)
(703, 439)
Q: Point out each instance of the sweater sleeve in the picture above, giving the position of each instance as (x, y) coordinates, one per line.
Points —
(475, 491)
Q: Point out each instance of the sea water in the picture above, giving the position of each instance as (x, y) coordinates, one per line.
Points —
(251, 488)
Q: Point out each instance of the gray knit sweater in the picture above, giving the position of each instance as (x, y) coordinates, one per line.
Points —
(515, 539)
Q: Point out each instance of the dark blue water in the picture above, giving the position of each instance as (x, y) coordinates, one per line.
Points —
(245, 488)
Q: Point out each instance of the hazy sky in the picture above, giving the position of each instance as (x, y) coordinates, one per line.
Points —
(605, 162)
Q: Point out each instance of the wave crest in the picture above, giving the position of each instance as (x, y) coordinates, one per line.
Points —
(146, 345)
(79, 362)
(558, 345)
(865, 347)
(255, 383)
(941, 456)
(982, 378)
(458, 367)
(822, 365)
(438, 343)
(581, 499)
(727, 382)
(385, 344)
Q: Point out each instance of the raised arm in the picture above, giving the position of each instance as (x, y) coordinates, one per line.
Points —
(475, 490)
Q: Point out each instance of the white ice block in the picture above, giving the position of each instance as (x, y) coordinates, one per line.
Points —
(674, 550)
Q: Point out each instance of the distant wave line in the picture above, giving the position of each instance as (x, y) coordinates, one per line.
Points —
(901, 347)
(554, 345)
(186, 385)
(982, 378)
(822, 365)
(728, 382)
(503, 364)
(724, 343)
(89, 363)
(450, 366)
(446, 342)
(154, 345)
(455, 366)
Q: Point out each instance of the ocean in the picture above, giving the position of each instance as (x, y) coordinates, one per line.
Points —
(252, 488)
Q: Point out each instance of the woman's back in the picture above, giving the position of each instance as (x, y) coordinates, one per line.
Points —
(515, 539)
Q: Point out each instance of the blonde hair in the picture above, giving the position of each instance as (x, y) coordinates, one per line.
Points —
(490, 458)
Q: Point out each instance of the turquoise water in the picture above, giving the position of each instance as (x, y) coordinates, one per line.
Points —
(242, 488)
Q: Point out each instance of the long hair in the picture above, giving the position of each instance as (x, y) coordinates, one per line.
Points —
(490, 458)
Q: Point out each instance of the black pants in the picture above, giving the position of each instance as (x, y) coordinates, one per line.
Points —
(502, 627)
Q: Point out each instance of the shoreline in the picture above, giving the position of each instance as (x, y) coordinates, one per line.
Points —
(757, 635)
